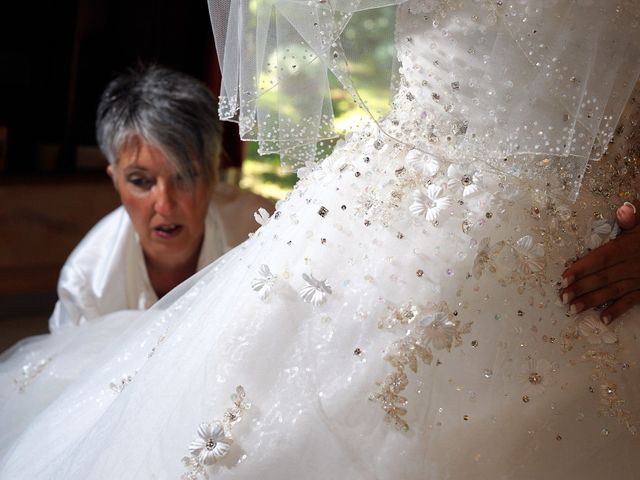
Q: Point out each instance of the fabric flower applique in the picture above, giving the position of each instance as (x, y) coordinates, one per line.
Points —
(262, 216)
(315, 291)
(430, 202)
(529, 255)
(463, 181)
(439, 330)
(600, 231)
(212, 445)
(264, 283)
(422, 162)
(306, 170)
(214, 439)
(594, 331)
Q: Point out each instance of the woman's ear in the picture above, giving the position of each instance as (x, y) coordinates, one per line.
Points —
(112, 174)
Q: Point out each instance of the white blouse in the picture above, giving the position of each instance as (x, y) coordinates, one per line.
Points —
(106, 272)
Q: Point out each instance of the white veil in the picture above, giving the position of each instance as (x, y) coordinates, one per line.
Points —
(276, 56)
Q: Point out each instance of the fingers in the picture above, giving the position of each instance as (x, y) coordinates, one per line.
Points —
(610, 293)
(627, 215)
(623, 304)
(602, 280)
(625, 248)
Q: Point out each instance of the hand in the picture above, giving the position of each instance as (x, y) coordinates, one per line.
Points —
(610, 274)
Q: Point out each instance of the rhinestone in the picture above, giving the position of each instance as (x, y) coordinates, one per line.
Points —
(535, 378)
(323, 212)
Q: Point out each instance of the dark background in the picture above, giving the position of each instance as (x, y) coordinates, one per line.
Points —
(55, 60)
(57, 57)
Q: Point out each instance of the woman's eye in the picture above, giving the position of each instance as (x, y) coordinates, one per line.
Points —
(140, 182)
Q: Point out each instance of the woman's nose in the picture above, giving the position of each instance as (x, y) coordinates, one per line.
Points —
(163, 201)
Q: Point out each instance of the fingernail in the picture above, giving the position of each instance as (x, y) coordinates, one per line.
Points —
(576, 308)
(567, 297)
(566, 281)
(629, 204)
(606, 319)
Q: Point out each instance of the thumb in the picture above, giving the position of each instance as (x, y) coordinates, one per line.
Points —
(628, 215)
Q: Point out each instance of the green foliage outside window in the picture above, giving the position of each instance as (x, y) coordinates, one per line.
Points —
(372, 29)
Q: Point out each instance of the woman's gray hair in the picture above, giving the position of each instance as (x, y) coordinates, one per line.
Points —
(167, 109)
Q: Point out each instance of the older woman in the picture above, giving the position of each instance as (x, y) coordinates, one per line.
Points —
(160, 133)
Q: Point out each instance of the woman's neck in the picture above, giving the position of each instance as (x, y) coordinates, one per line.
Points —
(165, 275)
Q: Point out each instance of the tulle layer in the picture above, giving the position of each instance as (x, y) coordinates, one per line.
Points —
(381, 328)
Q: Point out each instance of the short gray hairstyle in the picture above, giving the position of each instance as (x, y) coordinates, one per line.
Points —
(167, 109)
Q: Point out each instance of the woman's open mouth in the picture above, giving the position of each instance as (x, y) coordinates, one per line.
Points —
(169, 230)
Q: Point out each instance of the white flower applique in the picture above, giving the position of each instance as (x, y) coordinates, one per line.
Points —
(212, 445)
(439, 330)
(306, 170)
(600, 231)
(315, 291)
(214, 439)
(430, 202)
(422, 162)
(529, 255)
(465, 182)
(264, 283)
(262, 216)
(594, 331)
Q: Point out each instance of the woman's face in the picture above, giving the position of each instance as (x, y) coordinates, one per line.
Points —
(167, 212)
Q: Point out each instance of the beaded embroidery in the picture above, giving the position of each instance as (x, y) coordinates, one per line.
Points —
(214, 439)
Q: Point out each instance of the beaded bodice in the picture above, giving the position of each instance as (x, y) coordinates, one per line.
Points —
(522, 87)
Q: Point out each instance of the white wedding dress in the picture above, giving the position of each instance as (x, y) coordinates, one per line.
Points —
(398, 316)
